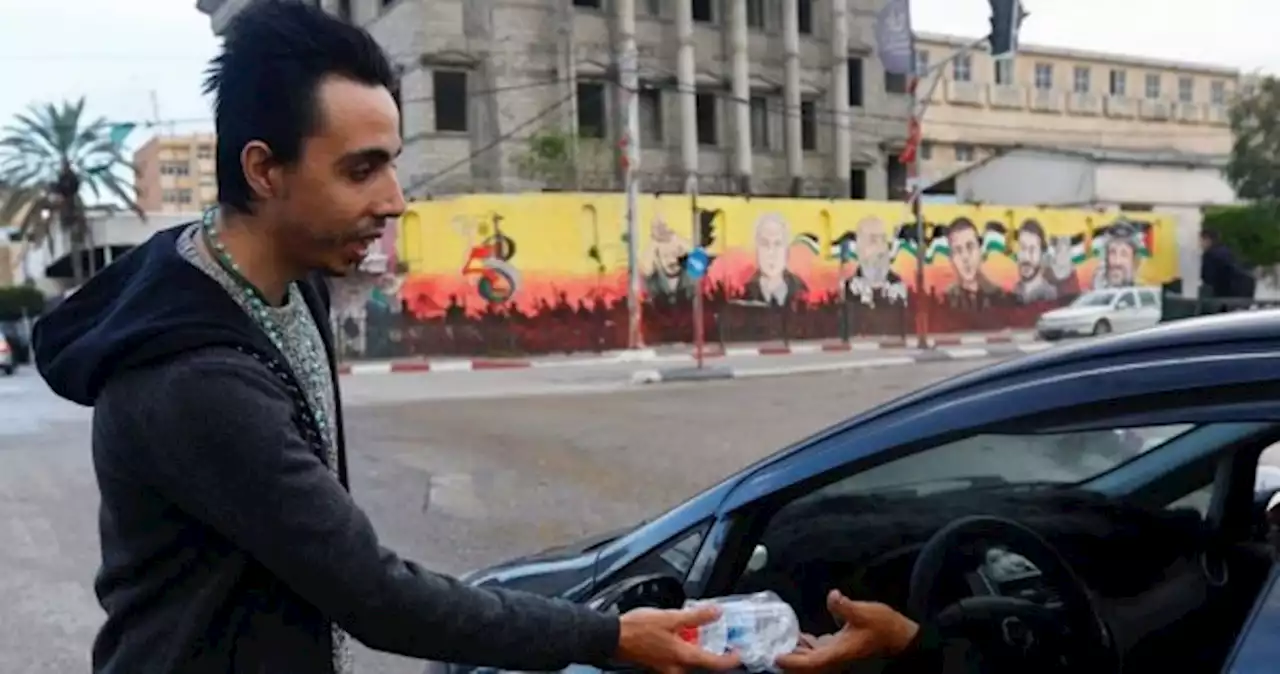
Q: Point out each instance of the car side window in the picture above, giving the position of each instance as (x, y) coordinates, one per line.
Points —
(1126, 301)
(1258, 649)
(1148, 299)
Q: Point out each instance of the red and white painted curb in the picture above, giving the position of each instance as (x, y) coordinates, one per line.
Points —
(955, 344)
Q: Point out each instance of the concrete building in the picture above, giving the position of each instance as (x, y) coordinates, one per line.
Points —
(767, 96)
(1049, 96)
(176, 173)
(1177, 184)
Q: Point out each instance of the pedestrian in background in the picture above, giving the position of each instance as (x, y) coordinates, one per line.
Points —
(230, 542)
(1221, 274)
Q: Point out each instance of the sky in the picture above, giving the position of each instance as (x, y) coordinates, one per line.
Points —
(139, 60)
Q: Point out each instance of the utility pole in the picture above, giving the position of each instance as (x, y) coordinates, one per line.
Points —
(628, 60)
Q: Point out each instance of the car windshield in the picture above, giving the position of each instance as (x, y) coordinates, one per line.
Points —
(993, 460)
(1094, 299)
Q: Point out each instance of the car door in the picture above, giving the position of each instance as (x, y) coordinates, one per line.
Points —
(1148, 308)
(1258, 649)
(1125, 312)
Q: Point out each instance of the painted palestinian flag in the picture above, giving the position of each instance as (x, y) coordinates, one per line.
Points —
(808, 241)
(995, 239)
(938, 244)
(1078, 253)
(845, 248)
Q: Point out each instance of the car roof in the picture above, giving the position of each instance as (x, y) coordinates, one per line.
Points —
(1227, 335)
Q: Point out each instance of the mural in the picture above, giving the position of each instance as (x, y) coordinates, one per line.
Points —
(548, 272)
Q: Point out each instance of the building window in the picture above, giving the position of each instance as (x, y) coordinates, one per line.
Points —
(1218, 92)
(650, 103)
(1152, 88)
(895, 83)
(808, 125)
(449, 97)
(857, 184)
(653, 8)
(755, 13)
(589, 4)
(1044, 76)
(922, 62)
(175, 168)
(760, 123)
(804, 16)
(1004, 72)
(1186, 89)
(592, 116)
(1081, 79)
(701, 10)
(895, 178)
(1119, 85)
(204, 152)
(855, 82)
(964, 152)
(708, 130)
(182, 196)
(962, 68)
(926, 151)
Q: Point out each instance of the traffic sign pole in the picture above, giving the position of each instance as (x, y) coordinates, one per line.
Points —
(699, 333)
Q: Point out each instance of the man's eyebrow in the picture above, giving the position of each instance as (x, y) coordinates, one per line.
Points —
(372, 155)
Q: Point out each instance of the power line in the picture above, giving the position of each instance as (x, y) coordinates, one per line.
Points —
(424, 182)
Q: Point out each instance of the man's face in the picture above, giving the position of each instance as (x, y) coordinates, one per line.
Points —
(1120, 263)
(335, 202)
(966, 254)
(1205, 243)
(873, 248)
(1030, 256)
(667, 249)
(771, 248)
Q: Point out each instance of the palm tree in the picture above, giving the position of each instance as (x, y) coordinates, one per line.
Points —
(49, 158)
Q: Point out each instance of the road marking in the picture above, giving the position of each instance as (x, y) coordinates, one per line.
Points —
(966, 353)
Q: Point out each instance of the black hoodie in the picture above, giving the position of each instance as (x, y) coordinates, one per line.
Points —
(227, 543)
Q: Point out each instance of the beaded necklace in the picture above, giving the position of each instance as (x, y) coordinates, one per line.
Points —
(314, 365)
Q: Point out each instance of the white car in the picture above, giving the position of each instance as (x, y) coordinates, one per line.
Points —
(1099, 312)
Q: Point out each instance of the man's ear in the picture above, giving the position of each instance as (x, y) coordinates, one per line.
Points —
(261, 170)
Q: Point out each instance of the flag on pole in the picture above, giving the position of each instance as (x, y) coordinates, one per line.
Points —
(894, 42)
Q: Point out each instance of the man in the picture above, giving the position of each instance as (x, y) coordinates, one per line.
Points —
(1119, 268)
(772, 282)
(971, 285)
(1221, 275)
(229, 540)
(1032, 264)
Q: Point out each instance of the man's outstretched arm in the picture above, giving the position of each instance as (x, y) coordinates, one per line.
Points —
(222, 445)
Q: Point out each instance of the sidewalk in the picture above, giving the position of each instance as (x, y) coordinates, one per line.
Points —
(969, 345)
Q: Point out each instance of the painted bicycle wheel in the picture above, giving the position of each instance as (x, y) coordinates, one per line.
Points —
(501, 284)
(503, 246)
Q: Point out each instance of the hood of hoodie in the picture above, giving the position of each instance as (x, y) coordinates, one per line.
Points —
(147, 306)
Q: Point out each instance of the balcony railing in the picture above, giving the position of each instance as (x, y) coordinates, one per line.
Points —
(1218, 114)
(1121, 106)
(1006, 96)
(964, 93)
(1079, 103)
(1190, 113)
(1154, 109)
(1046, 100)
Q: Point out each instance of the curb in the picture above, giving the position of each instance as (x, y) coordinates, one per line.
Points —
(654, 355)
(942, 354)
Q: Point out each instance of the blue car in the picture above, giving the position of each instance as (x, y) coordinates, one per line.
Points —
(1095, 506)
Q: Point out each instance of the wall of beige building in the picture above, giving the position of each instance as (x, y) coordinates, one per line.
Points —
(1044, 98)
(522, 58)
(176, 173)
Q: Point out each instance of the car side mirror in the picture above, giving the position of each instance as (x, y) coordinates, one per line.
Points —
(645, 591)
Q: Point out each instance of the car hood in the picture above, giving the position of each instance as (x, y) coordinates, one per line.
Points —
(1068, 313)
(561, 571)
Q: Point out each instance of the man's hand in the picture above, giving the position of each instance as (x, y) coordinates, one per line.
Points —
(870, 630)
(651, 638)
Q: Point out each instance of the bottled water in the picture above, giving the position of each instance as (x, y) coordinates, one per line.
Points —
(759, 627)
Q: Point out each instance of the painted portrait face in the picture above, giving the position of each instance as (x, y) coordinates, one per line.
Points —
(771, 246)
(1030, 255)
(966, 254)
(873, 248)
(667, 249)
(1121, 263)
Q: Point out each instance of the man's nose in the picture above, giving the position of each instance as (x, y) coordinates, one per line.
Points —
(393, 204)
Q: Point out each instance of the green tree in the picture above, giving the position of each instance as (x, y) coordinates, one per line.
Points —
(51, 157)
(1254, 167)
(561, 161)
(1252, 232)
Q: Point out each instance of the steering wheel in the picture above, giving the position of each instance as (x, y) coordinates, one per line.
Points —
(1064, 636)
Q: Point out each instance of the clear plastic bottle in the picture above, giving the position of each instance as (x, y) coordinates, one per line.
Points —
(759, 627)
